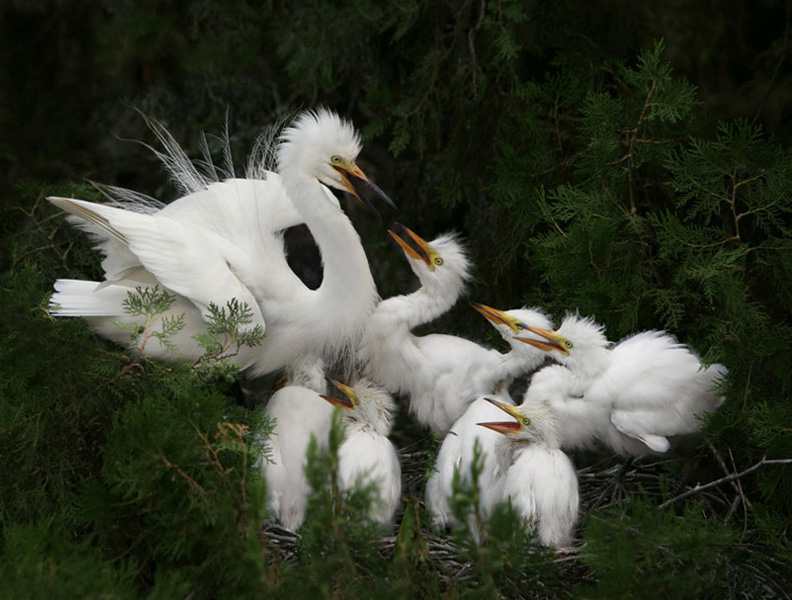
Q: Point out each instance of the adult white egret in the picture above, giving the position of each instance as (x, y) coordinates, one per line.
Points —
(538, 479)
(367, 456)
(299, 415)
(629, 397)
(456, 452)
(224, 240)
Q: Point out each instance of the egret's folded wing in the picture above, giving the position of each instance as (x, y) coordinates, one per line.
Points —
(238, 207)
(637, 425)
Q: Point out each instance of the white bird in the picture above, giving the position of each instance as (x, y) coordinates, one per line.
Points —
(510, 324)
(630, 397)
(539, 480)
(299, 415)
(440, 373)
(367, 456)
(224, 240)
(456, 453)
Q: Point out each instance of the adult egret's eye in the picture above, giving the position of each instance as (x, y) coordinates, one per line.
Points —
(519, 326)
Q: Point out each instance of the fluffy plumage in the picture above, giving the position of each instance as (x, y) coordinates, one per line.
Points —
(456, 454)
(299, 414)
(629, 398)
(442, 374)
(367, 455)
(538, 479)
(224, 240)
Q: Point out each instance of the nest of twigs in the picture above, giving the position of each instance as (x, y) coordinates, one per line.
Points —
(606, 483)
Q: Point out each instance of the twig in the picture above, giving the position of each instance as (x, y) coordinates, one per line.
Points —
(732, 477)
(722, 463)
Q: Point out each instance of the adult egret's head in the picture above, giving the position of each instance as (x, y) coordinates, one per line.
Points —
(321, 145)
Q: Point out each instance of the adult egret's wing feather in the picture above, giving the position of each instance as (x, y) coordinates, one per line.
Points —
(252, 214)
(189, 261)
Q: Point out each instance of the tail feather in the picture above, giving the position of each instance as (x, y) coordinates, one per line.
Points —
(77, 298)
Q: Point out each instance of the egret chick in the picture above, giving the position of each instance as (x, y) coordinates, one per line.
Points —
(224, 240)
(299, 416)
(367, 455)
(456, 455)
(630, 397)
(456, 452)
(521, 359)
(442, 374)
(539, 480)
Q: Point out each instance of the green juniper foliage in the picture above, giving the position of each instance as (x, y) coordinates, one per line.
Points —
(226, 332)
(590, 166)
(149, 302)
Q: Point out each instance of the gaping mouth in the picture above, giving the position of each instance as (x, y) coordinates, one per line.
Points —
(411, 243)
(354, 179)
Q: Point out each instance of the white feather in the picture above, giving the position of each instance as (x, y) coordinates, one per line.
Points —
(456, 454)
(628, 398)
(223, 240)
(299, 414)
(367, 456)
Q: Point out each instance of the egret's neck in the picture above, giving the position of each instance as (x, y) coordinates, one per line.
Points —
(587, 367)
(515, 364)
(418, 308)
(348, 293)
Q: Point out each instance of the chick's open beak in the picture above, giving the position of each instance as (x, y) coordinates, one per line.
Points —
(352, 177)
(504, 427)
(413, 245)
(345, 402)
(554, 341)
(498, 317)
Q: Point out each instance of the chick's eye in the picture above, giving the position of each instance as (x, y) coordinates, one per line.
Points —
(438, 261)
(526, 421)
(335, 158)
(568, 344)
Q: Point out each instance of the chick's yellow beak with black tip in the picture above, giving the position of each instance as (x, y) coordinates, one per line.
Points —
(554, 341)
(498, 317)
(415, 246)
(351, 175)
(347, 402)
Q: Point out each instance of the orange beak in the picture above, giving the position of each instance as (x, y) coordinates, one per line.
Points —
(554, 341)
(345, 402)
